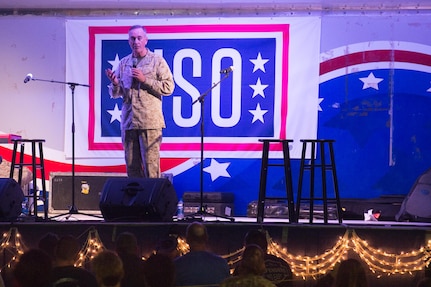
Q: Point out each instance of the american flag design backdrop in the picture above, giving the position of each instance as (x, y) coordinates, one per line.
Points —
(255, 100)
(363, 81)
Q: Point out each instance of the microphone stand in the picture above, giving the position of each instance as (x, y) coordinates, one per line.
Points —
(73, 209)
(202, 209)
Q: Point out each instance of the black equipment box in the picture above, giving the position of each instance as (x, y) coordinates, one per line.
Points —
(217, 203)
(223, 209)
(209, 197)
(272, 209)
(279, 209)
(88, 188)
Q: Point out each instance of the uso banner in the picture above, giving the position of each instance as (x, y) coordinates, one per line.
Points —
(272, 91)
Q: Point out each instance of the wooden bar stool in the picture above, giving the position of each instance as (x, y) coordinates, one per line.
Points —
(325, 166)
(36, 144)
(263, 179)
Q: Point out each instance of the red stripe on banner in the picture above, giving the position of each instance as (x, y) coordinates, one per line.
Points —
(374, 56)
(217, 147)
(55, 166)
(105, 146)
(91, 94)
(194, 146)
(284, 85)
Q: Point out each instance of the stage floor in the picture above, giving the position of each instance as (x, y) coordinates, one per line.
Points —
(97, 217)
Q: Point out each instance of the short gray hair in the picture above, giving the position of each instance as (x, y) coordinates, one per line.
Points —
(138, 27)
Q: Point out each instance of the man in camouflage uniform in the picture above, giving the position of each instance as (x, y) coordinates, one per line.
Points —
(141, 79)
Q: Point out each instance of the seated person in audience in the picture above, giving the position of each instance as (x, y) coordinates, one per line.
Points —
(33, 269)
(350, 273)
(199, 266)
(250, 270)
(159, 271)
(424, 282)
(168, 246)
(277, 270)
(108, 269)
(64, 272)
(48, 242)
(2, 283)
(127, 249)
(326, 280)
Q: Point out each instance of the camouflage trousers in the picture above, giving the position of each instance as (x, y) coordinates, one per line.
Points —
(142, 152)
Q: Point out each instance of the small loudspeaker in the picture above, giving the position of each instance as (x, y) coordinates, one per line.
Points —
(11, 198)
(138, 199)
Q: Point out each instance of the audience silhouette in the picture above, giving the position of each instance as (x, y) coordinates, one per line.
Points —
(64, 273)
(48, 242)
(33, 269)
(424, 282)
(350, 273)
(2, 283)
(127, 249)
(160, 271)
(326, 280)
(168, 246)
(108, 269)
(250, 269)
(199, 266)
(277, 271)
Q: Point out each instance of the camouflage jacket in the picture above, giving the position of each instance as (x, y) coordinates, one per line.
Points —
(142, 102)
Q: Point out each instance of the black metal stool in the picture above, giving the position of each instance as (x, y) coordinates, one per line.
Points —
(263, 179)
(325, 166)
(36, 165)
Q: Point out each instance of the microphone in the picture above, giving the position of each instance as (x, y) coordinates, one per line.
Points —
(135, 62)
(227, 71)
(28, 78)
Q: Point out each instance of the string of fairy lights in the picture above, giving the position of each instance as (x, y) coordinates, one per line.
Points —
(92, 246)
(12, 245)
(313, 266)
(379, 261)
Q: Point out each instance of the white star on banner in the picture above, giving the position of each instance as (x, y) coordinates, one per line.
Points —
(115, 63)
(115, 114)
(258, 114)
(319, 101)
(429, 90)
(217, 169)
(259, 63)
(371, 82)
(258, 89)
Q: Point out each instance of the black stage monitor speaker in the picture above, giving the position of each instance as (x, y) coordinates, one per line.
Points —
(138, 199)
(11, 198)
